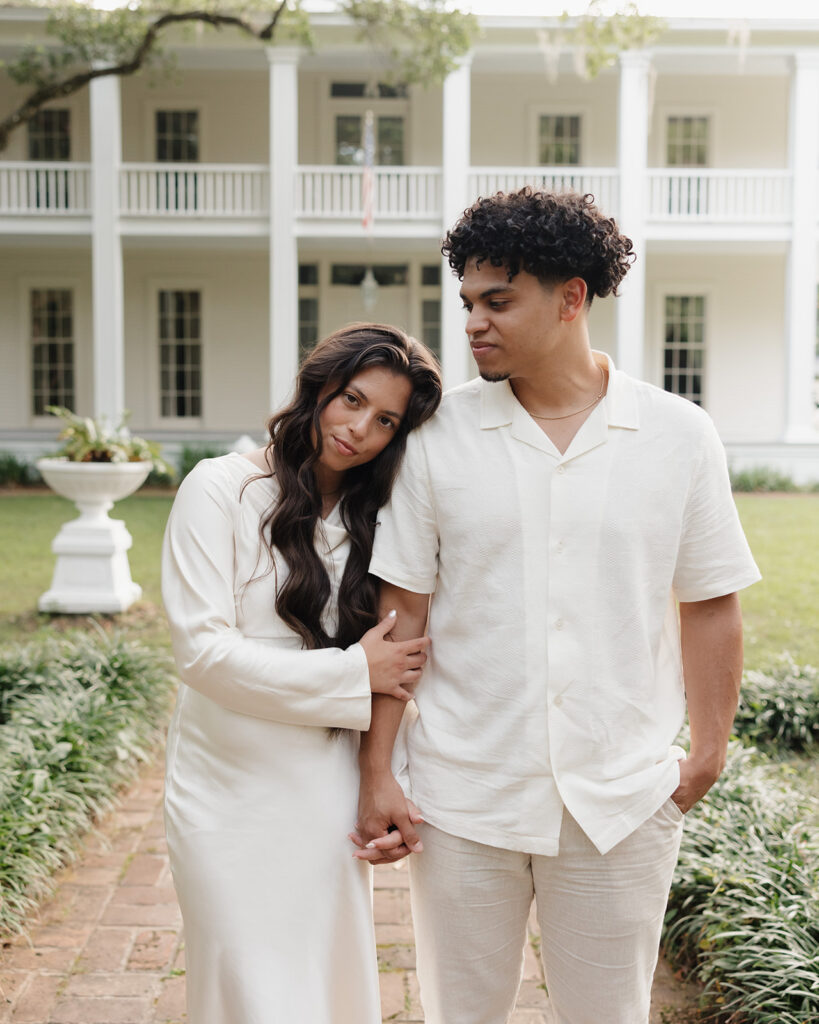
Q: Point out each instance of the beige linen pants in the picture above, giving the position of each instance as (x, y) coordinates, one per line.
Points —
(600, 919)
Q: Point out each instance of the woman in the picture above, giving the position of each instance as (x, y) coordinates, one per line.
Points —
(274, 629)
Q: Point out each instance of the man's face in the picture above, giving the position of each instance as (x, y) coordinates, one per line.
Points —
(512, 326)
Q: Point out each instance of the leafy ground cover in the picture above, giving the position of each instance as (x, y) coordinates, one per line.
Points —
(78, 716)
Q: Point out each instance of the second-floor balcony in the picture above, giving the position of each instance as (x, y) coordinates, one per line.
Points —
(331, 199)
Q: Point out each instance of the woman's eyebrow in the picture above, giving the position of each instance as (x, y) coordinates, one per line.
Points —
(363, 395)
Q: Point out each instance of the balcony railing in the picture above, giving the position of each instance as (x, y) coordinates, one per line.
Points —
(193, 190)
(408, 194)
(45, 188)
(405, 193)
(600, 182)
(719, 196)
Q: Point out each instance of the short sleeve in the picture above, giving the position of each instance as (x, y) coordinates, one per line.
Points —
(713, 557)
(405, 551)
(252, 676)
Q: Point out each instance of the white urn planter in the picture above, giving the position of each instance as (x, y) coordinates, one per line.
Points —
(92, 573)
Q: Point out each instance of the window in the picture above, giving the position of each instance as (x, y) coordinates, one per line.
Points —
(49, 135)
(559, 140)
(308, 308)
(180, 353)
(684, 349)
(308, 324)
(687, 142)
(431, 275)
(389, 140)
(352, 274)
(308, 273)
(431, 325)
(52, 348)
(359, 90)
(177, 136)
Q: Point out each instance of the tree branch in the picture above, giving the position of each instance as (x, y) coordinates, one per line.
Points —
(29, 108)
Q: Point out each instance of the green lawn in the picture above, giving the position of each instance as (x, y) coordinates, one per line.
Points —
(781, 612)
(28, 524)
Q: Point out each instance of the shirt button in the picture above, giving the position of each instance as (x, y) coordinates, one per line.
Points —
(561, 469)
(558, 623)
(557, 701)
(559, 546)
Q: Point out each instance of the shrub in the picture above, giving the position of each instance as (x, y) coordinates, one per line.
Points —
(17, 471)
(743, 914)
(191, 454)
(77, 717)
(761, 478)
(780, 708)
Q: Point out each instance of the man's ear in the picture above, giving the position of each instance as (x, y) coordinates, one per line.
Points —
(574, 292)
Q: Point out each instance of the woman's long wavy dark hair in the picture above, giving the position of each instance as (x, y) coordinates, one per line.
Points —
(293, 450)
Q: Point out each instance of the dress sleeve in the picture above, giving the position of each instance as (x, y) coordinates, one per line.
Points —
(319, 688)
(713, 557)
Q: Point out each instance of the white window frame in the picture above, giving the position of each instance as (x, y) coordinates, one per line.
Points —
(558, 110)
(183, 424)
(668, 112)
(669, 289)
(82, 329)
(50, 108)
(331, 106)
(157, 106)
(312, 291)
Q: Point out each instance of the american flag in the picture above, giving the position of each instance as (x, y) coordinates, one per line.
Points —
(368, 177)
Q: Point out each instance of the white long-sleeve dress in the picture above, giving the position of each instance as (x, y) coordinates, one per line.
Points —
(259, 798)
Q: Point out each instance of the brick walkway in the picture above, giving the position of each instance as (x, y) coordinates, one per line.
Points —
(108, 948)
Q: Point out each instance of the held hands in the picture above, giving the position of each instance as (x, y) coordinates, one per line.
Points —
(393, 665)
(385, 830)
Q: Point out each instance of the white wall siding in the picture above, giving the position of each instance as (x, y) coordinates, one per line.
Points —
(749, 117)
(234, 336)
(20, 271)
(745, 362)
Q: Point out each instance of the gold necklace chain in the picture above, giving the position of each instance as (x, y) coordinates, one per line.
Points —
(567, 415)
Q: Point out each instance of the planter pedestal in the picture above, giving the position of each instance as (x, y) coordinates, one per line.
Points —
(92, 572)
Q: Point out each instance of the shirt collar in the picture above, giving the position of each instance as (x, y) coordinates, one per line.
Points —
(499, 407)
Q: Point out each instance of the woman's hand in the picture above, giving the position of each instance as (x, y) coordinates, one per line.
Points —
(395, 666)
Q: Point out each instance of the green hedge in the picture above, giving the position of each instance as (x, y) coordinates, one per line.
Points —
(743, 915)
(779, 709)
(77, 717)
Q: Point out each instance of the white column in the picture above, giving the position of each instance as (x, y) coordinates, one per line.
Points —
(802, 265)
(284, 260)
(106, 250)
(632, 153)
(456, 161)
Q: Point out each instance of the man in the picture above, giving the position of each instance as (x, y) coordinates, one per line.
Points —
(577, 532)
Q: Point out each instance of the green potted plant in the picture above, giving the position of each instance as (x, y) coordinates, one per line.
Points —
(96, 466)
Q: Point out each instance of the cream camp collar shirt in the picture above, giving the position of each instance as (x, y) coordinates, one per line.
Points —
(555, 674)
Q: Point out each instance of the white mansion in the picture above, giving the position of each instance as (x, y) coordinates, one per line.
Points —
(167, 243)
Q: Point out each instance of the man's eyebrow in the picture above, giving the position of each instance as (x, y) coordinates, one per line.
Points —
(494, 290)
(366, 397)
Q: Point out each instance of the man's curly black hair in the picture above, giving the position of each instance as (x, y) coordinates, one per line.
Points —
(551, 235)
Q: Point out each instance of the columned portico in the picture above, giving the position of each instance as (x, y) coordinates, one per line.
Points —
(284, 269)
(455, 176)
(803, 265)
(106, 250)
(632, 136)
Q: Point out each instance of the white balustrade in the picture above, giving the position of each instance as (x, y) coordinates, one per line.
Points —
(406, 193)
(599, 182)
(193, 190)
(39, 187)
(719, 196)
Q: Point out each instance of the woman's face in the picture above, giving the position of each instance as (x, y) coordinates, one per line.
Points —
(360, 421)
